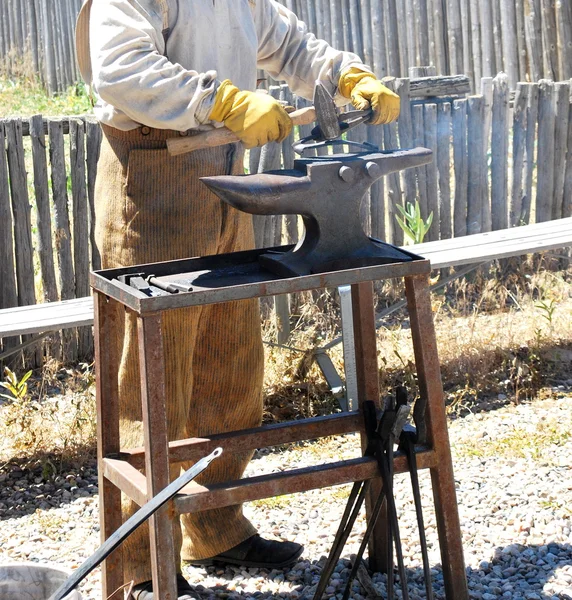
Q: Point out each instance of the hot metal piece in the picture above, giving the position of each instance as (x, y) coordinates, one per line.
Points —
(327, 192)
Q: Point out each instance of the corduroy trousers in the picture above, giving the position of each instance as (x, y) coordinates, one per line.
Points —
(152, 207)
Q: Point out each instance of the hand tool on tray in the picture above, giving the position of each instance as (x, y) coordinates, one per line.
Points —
(131, 525)
(331, 126)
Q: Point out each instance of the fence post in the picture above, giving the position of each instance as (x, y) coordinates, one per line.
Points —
(519, 126)
(561, 149)
(63, 232)
(476, 182)
(532, 116)
(444, 168)
(510, 42)
(545, 178)
(499, 153)
(549, 40)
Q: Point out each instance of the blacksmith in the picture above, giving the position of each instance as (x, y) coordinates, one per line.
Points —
(161, 69)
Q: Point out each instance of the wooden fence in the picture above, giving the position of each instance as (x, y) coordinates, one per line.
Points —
(498, 163)
(527, 39)
(38, 36)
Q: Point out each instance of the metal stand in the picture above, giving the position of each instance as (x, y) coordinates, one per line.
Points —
(231, 277)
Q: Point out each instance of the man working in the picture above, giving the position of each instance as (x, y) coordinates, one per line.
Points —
(160, 69)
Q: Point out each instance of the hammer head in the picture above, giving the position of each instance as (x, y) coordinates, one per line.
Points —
(326, 112)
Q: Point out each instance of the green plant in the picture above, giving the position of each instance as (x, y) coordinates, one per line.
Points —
(413, 225)
(547, 309)
(18, 388)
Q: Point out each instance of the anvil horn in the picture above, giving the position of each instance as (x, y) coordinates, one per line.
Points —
(261, 194)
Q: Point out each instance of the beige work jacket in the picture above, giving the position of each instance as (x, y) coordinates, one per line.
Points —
(139, 78)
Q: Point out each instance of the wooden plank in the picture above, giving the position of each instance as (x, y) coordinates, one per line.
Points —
(455, 35)
(521, 40)
(533, 31)
(443, 159)
(405, 129)
(8, 289)
(50, 316)
(518, 153)
(489, 66)
(461, 161)
(564, 20)
(393, 185)
(439, 13)
(93, 146)
(21, 211)
(80, 236)
(420, 8)
(549, 40)
(432, 174)
(391, 27)
(44, 223)
(530, 162)
(503, 243)
(476, 165)
(468, 67)
(545, 179)
(378, 38)
(476, 39)
(487, 92)
(402, 38)
(561, 114)
(448, 85)
(499, 153)
(377, 193)
(510, 43)
(63, 232)
(420, 172)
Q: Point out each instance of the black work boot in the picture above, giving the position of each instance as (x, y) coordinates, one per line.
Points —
(144, 591)
(256, 552)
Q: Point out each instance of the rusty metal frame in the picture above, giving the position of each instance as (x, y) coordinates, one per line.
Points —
(120, 468)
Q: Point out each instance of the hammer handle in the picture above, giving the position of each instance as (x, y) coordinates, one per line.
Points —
(222, 135)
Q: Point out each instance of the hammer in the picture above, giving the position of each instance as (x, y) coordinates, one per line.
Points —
(324, 111)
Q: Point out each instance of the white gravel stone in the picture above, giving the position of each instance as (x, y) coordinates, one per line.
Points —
(514, 512)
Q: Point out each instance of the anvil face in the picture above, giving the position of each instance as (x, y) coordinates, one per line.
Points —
(327, 192)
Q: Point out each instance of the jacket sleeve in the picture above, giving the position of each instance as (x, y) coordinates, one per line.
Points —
(286, 50)
(131, 74)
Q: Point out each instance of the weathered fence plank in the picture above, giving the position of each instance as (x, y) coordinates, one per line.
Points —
(8, 289)
(80, 236)
(432, 174)
(405, 126)
(44, 221)
(443, 159)
(499, 153)
(62, 222)
(564, 19)
(562, 108)
(476, 194)
(510, 45)
(531, 119)
(420, 172)
(549, 40)
(533, 29)
(93, 143)
(545, 179)
(21, 211)
(518, 153)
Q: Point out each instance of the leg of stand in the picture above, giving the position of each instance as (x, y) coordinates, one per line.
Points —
(368, 389)
(152, 371)
(107, 398)
(430, 387)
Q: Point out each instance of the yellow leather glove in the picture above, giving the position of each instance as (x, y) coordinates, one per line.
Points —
(365, 91)
(255, 118)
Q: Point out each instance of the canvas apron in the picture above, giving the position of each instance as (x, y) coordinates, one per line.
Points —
(152, 207)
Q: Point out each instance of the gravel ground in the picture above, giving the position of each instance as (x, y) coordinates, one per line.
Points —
(512, 467)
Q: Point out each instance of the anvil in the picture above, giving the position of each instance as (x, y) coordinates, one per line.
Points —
(327, 191)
